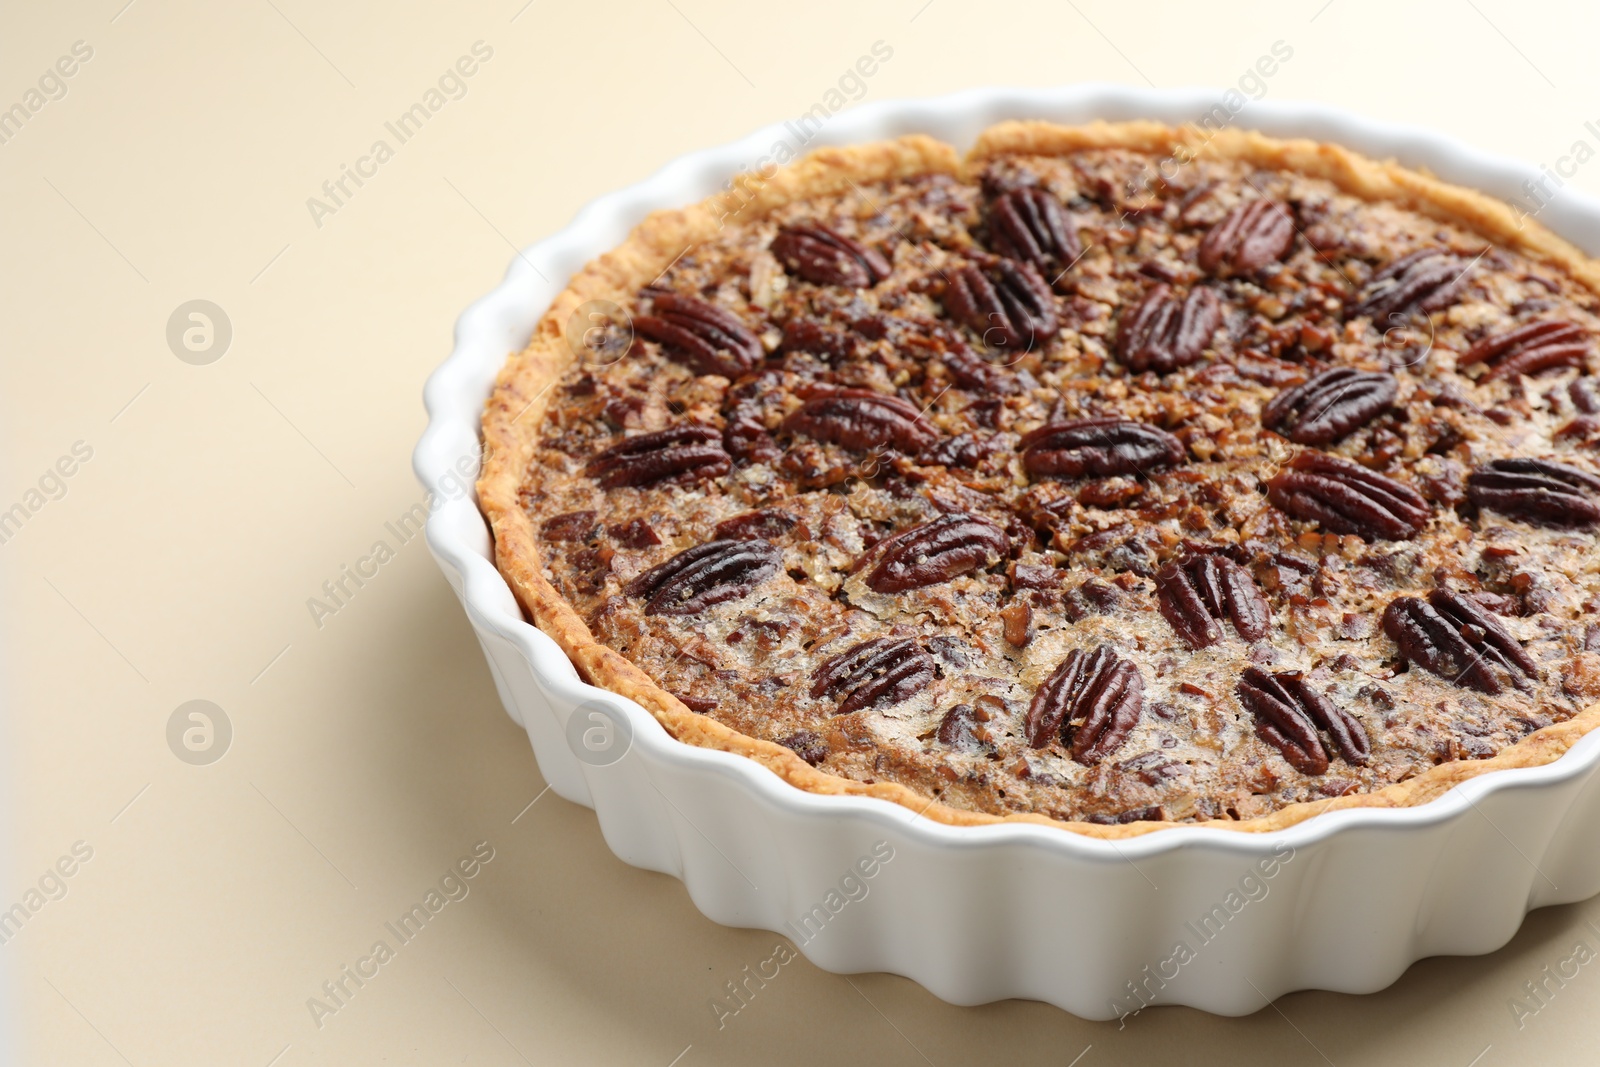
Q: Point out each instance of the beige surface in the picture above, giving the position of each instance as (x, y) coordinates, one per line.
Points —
(371, 754)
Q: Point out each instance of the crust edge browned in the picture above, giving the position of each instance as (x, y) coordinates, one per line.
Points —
(516, 406)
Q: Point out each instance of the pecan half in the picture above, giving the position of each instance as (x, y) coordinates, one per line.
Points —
(1164, 333)
(1028, 224)
(1288, 713)
(1530, 349)
(1009, 306)
(705, 338)
(938, 551)
(1329, 406)
(1250, 236)
(1092, 701)
(1458, 640)
(822, 255)
(876, 673)
(1427, 280)
(1203, 590)
(708, 574)
(680, 454)
(862, 419)
(1098, 448)
(1539, 491)
(1346, 498)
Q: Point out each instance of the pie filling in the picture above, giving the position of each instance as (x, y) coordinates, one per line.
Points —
(1076, 490)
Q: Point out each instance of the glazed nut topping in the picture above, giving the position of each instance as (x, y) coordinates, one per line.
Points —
(874, 673)
(1029, 224)
(697, 578)
(1007, 306)
(1456, 639)
(1249, 237)
(1092, 701)
(1098, 448)
(1424, 281)
(1344, 497)
(819, 254)
(1288, 714)
(861, 419)
(1537, 491)
(1167, 331)
(701, 335)
(1203, 591)
(945, 548)
(1538, 346)
(1330, 406)
(1055, 489)
(683, 453)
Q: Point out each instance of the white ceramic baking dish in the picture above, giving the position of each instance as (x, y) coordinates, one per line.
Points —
(1217, 920)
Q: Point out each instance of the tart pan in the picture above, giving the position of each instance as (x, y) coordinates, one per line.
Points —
(1216, 920)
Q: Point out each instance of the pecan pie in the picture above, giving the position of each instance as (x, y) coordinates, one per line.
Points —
(1111, 477)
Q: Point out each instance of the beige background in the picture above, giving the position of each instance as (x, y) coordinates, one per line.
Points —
(371, 753)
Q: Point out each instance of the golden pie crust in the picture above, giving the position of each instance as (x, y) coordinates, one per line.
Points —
(515, 410)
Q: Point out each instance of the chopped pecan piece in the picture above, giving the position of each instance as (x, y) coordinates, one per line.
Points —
(1203, 590)
(1163, 333)
(700, 577)
(1330, 406)
(1539, 491)
(704, 337)
(1584, 426)
(963, 450)
(975, 374)
(961, 728)
(863, 419)
(1530, 349)
(747, 439)
(817, 339)
(822, 255)
(1288, 712)
(695, 703)
(1110, 493)
(877, 673)
(766, 525)
(635, 533)
(1009, 306)
(570, 526)
(1098, 448)
(1585, 394)
(1018, 620)
(807, 745)
(1250, 236)
(1346, 498)
(1455, 638)
(1028, 224)
(1091, 701)
(689, 453)
(1425, 281)
(947, 547)
(745, 434)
